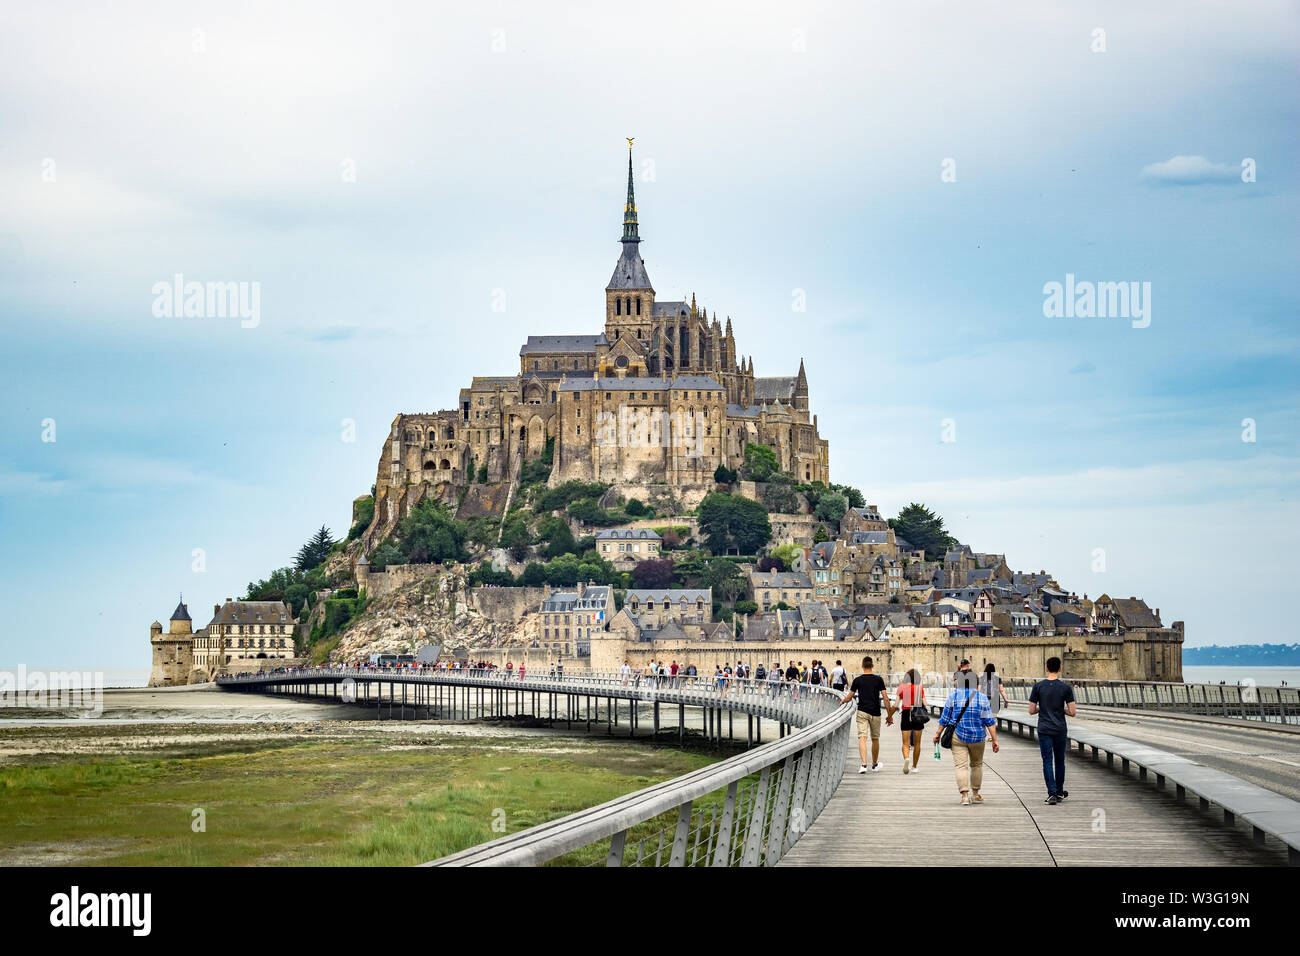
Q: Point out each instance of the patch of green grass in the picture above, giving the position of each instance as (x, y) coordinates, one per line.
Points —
(329, 802)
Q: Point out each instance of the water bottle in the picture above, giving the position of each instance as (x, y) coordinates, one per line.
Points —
(936, 750)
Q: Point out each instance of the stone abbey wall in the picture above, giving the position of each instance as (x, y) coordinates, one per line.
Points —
(507, 605)
(929, 649)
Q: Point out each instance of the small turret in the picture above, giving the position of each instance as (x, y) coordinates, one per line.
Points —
(801, 389)
(180, 621)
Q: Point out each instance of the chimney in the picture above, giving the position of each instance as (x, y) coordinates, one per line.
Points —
(216, 609)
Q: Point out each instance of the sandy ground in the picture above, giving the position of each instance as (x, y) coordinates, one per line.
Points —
(200, 703)
(162, 721)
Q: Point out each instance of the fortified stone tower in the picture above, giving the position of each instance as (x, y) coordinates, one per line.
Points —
(173, 652)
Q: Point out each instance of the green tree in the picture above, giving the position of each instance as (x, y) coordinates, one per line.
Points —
(786, 553)
(484, 573)
(760, 462)
(555, 534)
(562, 571)
(820, 534)
(832, 506)
(779, 495)
(364, 510)
(561, 496)
(315, 551)
(923, 529)
(533, 576)
(813, 493)
(689, 569)
(515, 536)
(276, 587)
(483, 531)
(429, 534)
(733, 521)
(726, 579)
(384, 555)
(724, 475)
(856, 500)
(295, 595)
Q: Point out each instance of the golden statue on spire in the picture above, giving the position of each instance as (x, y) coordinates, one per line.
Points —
(629, 142)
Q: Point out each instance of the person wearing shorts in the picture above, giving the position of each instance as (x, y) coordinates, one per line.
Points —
(869, 690)
(911, 695)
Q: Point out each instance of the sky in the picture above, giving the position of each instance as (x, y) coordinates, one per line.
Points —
(885, 191)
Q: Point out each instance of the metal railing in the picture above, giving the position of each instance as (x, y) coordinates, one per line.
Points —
(721, 815)
(1239, 701)
(747, 810)
(1266, 812)
(794, 697)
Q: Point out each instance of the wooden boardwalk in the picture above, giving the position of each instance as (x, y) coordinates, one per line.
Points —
(889, 818)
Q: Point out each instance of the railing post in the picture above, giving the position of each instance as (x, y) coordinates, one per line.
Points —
(753, 848)
(616, 842)
(780, 813)
(682, 836)
(797, 816)
(722, 850)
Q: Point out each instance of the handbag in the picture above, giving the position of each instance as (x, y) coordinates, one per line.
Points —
(917, 712)
(945, 739)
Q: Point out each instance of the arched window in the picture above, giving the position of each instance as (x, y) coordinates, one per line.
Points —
(618, 306)
(627, 303)
(638, 305)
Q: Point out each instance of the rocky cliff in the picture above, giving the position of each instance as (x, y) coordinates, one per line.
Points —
(438, 608)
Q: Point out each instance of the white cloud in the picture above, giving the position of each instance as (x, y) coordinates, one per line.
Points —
(1191, 171)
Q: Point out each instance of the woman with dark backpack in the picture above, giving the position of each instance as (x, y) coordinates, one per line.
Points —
(911, 698)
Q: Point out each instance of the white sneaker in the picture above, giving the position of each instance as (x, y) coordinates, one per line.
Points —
(862, 769)
(907, 765)
(875, 768)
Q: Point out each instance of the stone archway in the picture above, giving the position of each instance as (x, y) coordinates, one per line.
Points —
(536, 437)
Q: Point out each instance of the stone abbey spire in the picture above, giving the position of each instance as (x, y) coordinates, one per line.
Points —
(629, 297)
(629, 273)
(630, 233)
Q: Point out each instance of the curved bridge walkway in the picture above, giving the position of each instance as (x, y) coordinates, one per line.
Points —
(1110, 818)
(1142, 789)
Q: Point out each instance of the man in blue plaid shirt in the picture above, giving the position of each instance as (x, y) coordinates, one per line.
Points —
(968, 736)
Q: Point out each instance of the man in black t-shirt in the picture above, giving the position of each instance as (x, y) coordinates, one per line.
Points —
(869, 689)
(1052, 699)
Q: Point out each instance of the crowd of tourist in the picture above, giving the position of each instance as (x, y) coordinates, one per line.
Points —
(967, 723)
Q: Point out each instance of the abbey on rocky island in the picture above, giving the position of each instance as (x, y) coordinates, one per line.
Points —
(660, 396)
